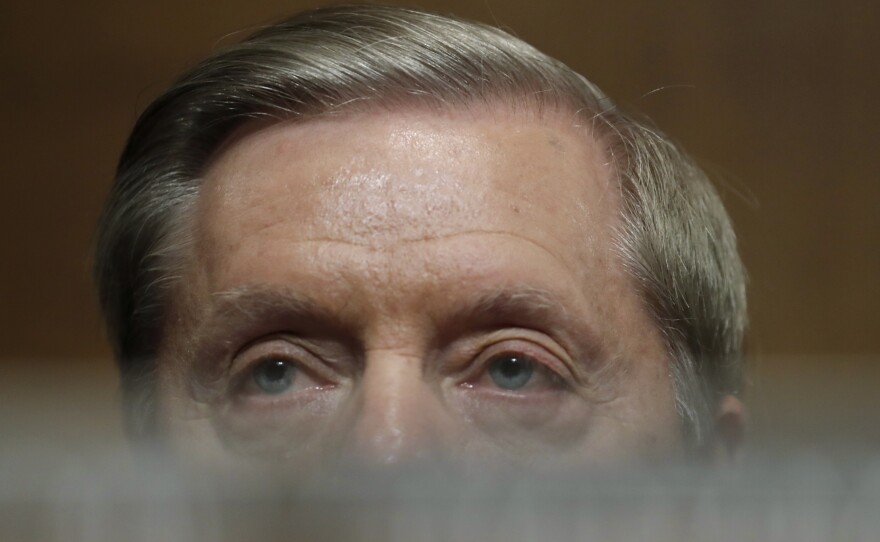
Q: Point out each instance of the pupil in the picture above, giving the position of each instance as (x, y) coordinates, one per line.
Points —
(511, 367)
(276, 370)
(511, 372)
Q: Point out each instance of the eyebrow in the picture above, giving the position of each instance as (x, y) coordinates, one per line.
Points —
(527, 301)
(254, 301)
(243, 308)
(535, 308)
(240, 310)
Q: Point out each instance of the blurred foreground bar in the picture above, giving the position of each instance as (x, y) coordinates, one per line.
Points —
(812, 473)
(108, 497)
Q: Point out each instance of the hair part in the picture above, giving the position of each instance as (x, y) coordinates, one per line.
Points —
(675, 240)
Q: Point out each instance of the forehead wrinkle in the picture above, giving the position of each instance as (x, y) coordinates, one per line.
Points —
(254, 299)
(377, 246)
(381, 209)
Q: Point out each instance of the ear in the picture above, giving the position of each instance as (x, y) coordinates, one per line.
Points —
(730, 430)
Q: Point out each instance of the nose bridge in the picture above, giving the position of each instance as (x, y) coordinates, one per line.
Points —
(397, 417)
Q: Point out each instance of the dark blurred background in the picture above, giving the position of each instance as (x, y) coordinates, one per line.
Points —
(777, 99)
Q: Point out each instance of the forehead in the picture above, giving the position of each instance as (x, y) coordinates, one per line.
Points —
(392, 231)
(381, 179)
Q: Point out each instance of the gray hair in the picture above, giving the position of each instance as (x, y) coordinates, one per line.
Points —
(676, 240)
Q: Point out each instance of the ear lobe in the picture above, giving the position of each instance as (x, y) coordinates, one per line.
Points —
(730, 431)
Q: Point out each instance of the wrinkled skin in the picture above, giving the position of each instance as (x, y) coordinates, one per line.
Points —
(388, 287)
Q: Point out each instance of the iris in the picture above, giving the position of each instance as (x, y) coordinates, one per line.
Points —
(510, 371)
(274, 376)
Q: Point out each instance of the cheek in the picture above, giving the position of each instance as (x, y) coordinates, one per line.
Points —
(643, 422)
(657, 403)
(527, 426)
(312, 431)
(292, 427)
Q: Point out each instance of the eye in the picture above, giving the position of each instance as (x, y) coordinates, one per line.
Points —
(511, 371)
(274, 376)
(518, 367)
(516, 391)
(276, 367)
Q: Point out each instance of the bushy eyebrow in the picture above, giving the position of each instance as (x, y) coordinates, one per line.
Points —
(526, 302)
(254, 301)
(498, 307)
(533, 308)
(231, 311)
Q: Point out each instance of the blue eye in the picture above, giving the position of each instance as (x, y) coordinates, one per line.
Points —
(510, 371)
(274, 376)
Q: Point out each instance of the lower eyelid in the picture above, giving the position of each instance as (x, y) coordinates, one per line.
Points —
(553, 382)
(315, 382)
(292, 407)
(550, 381)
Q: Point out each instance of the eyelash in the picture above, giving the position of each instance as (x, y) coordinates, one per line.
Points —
(553, 372)
(242, 379)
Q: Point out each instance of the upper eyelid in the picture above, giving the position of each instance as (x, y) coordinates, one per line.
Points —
(530, 353)
(216, 372)
(557, 352)
(547, 376)
(272, 350)
(306, 358)
(481, 354)
(257, 342)
(542, 311)
(251, 311)
(240, 379)
(540, 345)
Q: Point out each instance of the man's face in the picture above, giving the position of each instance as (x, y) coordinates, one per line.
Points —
(383, 287)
